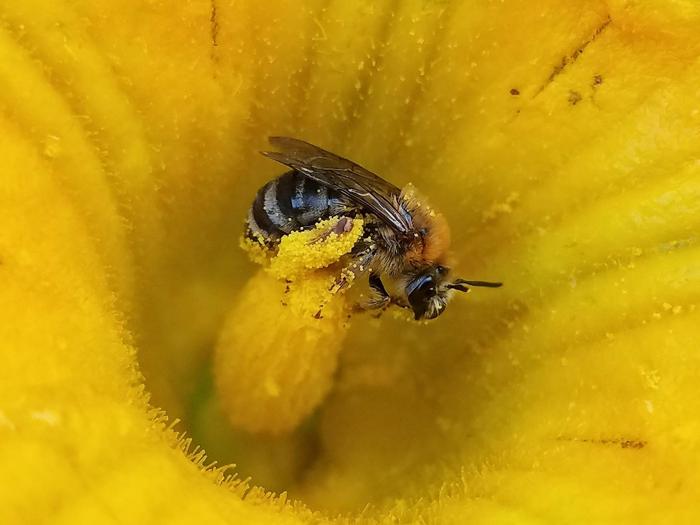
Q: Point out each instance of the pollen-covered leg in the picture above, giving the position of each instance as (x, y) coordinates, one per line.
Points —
(359, 265)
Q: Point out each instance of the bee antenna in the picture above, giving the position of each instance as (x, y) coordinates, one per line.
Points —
(485, 284)
(458, 287)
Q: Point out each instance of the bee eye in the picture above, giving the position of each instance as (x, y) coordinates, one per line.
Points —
(423, 232)
(420, 292)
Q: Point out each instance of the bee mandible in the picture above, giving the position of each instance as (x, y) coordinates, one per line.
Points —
(405, 240)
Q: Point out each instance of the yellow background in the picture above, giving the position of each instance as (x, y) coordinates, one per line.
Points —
(560, 138)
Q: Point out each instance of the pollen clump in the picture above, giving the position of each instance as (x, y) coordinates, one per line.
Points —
(256, 250)
(320, 247)
(278, 348)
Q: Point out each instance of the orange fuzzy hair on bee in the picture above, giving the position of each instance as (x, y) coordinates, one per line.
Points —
(436, 241)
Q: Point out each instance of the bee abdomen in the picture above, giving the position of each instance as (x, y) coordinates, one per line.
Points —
(289, 203)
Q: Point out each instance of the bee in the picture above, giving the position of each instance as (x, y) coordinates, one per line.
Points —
(404, 239)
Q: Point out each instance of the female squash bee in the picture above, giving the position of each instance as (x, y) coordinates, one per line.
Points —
(404, 239)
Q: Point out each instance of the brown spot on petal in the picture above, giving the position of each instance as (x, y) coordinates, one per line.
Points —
(574, 97)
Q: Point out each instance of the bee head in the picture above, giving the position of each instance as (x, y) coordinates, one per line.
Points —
(428, 292)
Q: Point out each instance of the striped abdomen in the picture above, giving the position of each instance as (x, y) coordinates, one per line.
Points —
(290, 203)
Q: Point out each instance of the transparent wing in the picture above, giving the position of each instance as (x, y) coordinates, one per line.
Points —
(361, 186)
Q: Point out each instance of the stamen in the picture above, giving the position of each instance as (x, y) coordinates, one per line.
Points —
(278, 347)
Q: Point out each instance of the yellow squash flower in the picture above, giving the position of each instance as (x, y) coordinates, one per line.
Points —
(561, 140)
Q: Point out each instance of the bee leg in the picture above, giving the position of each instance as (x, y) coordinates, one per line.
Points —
(360, 264)
(375, 282)
(344, 225)
(381, 299)
(400, 303)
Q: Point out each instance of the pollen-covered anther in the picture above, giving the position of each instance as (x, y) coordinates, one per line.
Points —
(278, 348)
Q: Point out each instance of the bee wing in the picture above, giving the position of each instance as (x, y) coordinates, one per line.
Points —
(351, 180)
